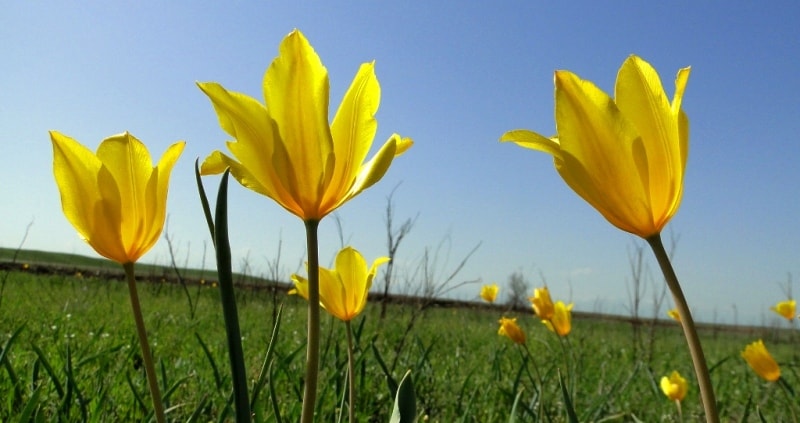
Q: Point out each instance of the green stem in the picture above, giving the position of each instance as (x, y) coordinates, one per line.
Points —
(312, 348)
(350, 374)
(689, 330)
(147, 357)
(538, 378)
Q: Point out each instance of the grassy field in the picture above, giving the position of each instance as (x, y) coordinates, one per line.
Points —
(69, 353)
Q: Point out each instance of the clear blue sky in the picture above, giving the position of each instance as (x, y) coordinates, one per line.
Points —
(454, 76)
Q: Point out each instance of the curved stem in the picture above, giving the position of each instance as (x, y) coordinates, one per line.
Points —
(350, 374)
(147, 357)
(689, 329)
(312, 348)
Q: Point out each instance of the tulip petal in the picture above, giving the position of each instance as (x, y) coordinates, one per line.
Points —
(157, 197)
(130, 165)
(534, 141)
(641, 98)
(258, 147)
(353, 130)
(75, 168)
(372, 171)
(597, 144)
(296, 91)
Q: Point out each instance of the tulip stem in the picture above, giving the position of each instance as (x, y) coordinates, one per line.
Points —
(312, 348)
(147, 357)
(350, 374)
(689, 329)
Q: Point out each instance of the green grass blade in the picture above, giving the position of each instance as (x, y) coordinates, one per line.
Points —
(267, 359)
(198, 411)
(273, 396)
(30, 407)
(512, 418)
(214, 369)
(48, 369)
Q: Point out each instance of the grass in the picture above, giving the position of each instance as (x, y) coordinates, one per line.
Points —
(69, 353)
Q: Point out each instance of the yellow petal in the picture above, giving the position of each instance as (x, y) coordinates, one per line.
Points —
(75, 168)
(130, 165)
(332, 293)
(602, 157)
(402, 145)
(157, 211)
(353, 130)
(372, 171)
(258, 147)
(534, 141)
(300, 286)
(296, 92)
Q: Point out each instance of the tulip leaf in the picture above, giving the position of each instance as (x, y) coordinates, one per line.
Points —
(228, 298)
(573, 417)
(405, 407)
(204, 199)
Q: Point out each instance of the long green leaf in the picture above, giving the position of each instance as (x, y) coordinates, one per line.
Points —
(573, 417)
(228, 297)
(203, 199)
(405, 403)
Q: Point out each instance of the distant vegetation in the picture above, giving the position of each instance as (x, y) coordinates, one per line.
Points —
(68, 353)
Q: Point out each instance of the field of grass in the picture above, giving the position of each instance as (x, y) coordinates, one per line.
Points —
(68, 352)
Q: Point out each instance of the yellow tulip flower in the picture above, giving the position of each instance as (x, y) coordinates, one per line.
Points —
(542, 304)
(674, 386)
(489, 292)
(625, 156)
(674, 315)
(561, 322)
(787, 309)
(286, 150)
(116, 199)
(761, 361)
(510, 329)
(343, 290)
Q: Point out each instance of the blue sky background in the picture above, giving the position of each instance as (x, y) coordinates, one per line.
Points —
(454, 77)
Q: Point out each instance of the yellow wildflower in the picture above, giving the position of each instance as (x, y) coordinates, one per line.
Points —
(116, 199)
(286, 150)
(343, 290)
(761, 361)
(625, 156)
(510, 329)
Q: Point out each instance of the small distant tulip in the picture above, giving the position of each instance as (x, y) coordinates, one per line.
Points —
(343, 290)
(674, 386)
(561, 322)
(761, 361)
(510, 329)
(542, 304)
(489, 292)
(787, 309)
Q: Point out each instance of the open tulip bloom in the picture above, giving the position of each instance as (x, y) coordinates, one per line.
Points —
(343, 290)
(117, 201)
(787, 309)
(489, 292)
(761, 361)
(510, 329)
(626, 156)
(674, 386)
(542, 304)
(285, 149)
